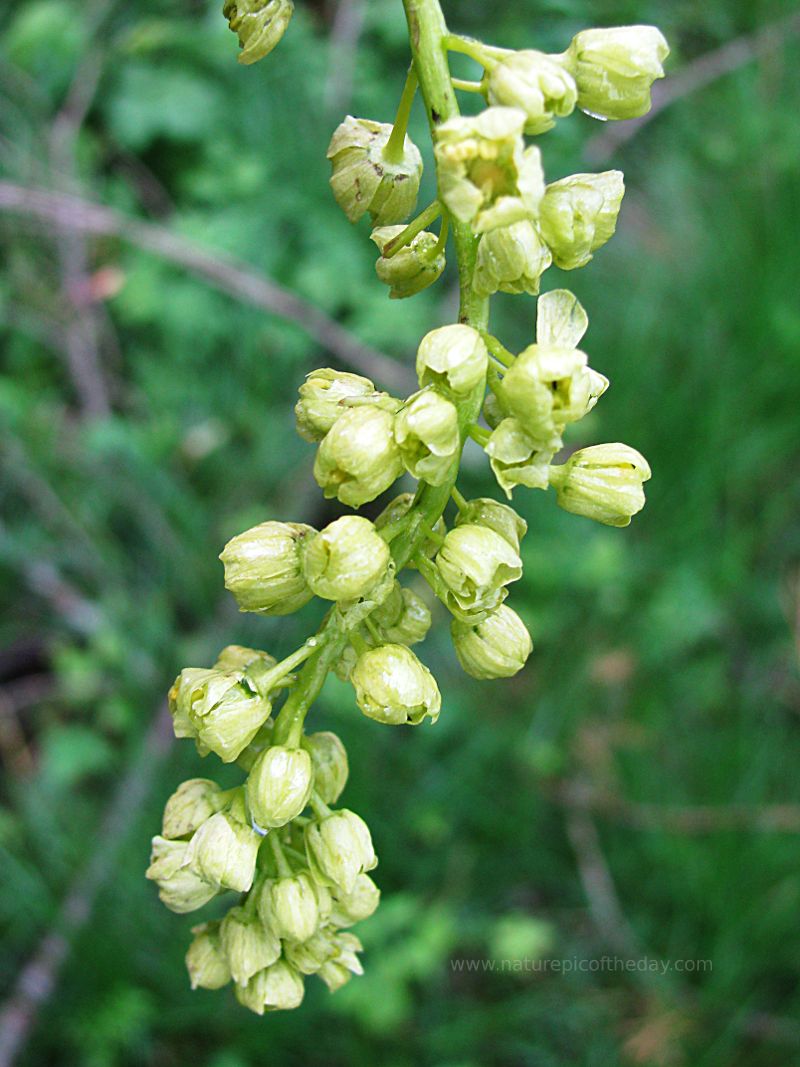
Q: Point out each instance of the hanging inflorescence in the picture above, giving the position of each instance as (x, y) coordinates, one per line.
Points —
(299, 864)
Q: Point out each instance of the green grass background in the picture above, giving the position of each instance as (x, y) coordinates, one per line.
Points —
(664, 672)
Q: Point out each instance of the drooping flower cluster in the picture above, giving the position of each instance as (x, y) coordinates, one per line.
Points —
(298, 864)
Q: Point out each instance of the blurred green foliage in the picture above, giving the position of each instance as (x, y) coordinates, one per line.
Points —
(664, 672)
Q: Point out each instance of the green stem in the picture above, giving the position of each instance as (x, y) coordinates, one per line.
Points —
(459, 500)
(393, 152)
(284, 870)
(417, 225)
(486, 55)
(500, 352)
(429, 44)
(467, 86)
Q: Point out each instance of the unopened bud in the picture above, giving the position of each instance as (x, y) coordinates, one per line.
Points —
(602, 482)
(483, 511)
(279, 785)
(205, 959)
(223, 852)
(579, 214)
(426, 431)
(536, 83)
(495, 647)
(179, 888)
(476, 563)
(190, 805)
(393, 687)
(339, 849)
(259, 25)
(363, 177)
(329, 759)
(224, 712)
(248, 943)
(452, 357)
(323, 398)
(615, 68)
(359, 458)
(346, 559)
(359, 904)
(263, 569)
(404, 619)
(511, 259)
(276, 988)
(416, 266)
(290, 906)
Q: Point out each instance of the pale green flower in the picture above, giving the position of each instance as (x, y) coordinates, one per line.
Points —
(615, 68)
(476, 563)
(324, 396)
(249, 945)
(495, 647)
(346, 559)
(339, 969)
(339, 849)
(290, 906)
(277, 988)
(259, 25)
(452, 357)
(219, 709)
(179, 888)
(579, 214)
(515, 458)
(404, 618)
(602, 482)
(363, 177)
(393, 687)
(329, 759)
(511, 259)
(359, 458)
(538, 84)
(279, 785)
(358, 904)
(426, 432)
(416, 266)
(205, 959)
(263, 568)
(223, 852)
(483, 511)
(190, 805)
(486, 175)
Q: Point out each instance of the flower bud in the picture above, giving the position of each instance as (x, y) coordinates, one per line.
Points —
(452, 357)
(484, 511)
(426, 431)
(329, 760)
(486, 175)
(364, 179)
(338, 970)
(323, 398)
(475, 564)
(495, 647)
(279, 785)
(416, 266)
(263, 568)
(205, 960)
(223, 852)
(179, 888)
(290, 906)
(393, 687)
(259, 25)
(536, 83)
(511, 259)
(190, 805)
(249, 944)
(602, 482)
(339, 849)
(404, 619)
(396, 510)
(222, 710)
(515, 459)
(614, 69)
(359, 458)
(346, 559)
(579, 214)
(350, 908)
(276, 988)
(308, 956)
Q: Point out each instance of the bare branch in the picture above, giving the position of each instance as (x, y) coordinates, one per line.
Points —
(225, 274)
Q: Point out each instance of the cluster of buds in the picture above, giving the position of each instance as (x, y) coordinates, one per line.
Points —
(300, 866)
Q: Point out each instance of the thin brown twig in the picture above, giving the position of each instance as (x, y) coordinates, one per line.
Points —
(695, 75)
(225, 274)
(37, 979)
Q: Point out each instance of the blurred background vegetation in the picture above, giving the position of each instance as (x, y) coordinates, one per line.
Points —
(635, 791)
